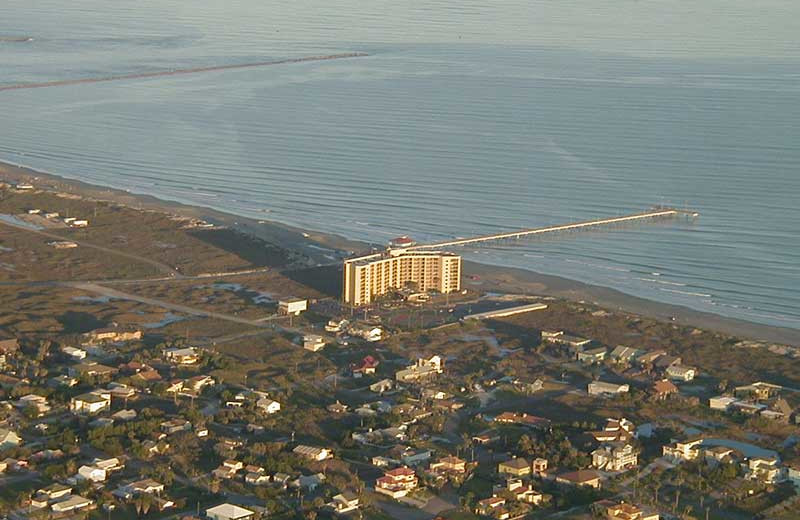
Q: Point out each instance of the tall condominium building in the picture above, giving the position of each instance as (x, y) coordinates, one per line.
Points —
(368, 277)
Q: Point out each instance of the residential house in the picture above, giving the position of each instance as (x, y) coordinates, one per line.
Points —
(34, 402)
(680, 373)
(618, 456)
(337, 408)
(522, 492)
(623, 354)
(195, 385)
(112, 335)
(91, 473)
(559, 338)
(72, 504)
(592, 356)
(411, 456)
(683, 450)
(607, 389)
(721, 402)
(336, 325)
(422, 369)
(758, 391)
(517, 467)
(449, 467)
(523, 419)
(764, 469)
(367, 332)
(229, 512)
(624, 511)
(648, 358)
(530, 387)
(313, 452)
(384, 385)
(91, 403)
(663, 389)
(397, 483)
(615, 430)
(175, 425)
(367, 367)
(492, 507)
(9, 439)
(313, 342)
(92, 369)
(76, 354)
(792, 473)
(182, 356)
(267, 405)
(581, 478)
(309, 482)
(664, 362)
(139, 487)
(344, 503)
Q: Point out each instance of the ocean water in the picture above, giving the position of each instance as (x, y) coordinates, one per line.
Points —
(466, 118)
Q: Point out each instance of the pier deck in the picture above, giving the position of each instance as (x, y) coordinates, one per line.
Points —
(647, 215)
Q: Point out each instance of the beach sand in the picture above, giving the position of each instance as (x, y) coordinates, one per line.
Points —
(321, 246)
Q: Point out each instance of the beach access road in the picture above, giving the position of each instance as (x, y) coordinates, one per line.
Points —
(192, 311)
(163, 268)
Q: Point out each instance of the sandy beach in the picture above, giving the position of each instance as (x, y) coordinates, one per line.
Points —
(320, 246)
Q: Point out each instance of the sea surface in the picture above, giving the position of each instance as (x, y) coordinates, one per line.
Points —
(467, 117)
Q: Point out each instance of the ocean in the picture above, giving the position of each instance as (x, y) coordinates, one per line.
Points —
(465, 118)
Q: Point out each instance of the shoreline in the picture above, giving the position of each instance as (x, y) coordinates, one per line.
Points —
(490, 277)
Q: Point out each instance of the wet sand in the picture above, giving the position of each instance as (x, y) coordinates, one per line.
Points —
(487, 277)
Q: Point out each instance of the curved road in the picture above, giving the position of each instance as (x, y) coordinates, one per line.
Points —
(164, 268)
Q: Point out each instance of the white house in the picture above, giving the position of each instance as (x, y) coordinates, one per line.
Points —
(384, 385)
(344, 503)
(91, 403)
(229, 512)
(680, 373)
(92, 473)
(721, 402)
(268, 405)
(77, 354)
(182, 356)
(312, 452)
(615, 457)
(313, 342)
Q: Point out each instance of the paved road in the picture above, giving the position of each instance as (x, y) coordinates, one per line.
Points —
(164, 268)
(113, 293)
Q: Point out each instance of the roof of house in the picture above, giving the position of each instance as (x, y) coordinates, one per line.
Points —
(580, 476)
(664, 387)
(517, 463)
(400, 472)
(229, 511)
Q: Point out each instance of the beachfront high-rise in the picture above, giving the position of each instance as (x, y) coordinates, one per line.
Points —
(370, 276)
